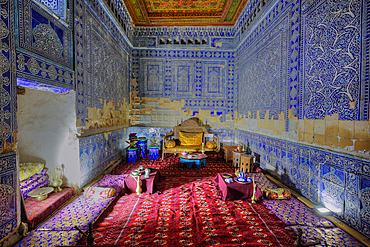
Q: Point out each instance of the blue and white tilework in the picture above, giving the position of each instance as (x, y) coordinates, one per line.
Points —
(316, 174)
(99, 151)
(8, 193)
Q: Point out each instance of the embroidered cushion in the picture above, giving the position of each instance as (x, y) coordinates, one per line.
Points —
(170, 144)
(279, 193)
(113, 181)
(33, 178)
(211, 144)
(26, 170)
(99, 192)
(190, 138)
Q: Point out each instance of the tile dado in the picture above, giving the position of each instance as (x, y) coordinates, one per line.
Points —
(340, 182)
(99, 151)
(8, 194)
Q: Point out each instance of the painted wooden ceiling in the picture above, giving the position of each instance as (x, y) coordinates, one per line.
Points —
(185, 12)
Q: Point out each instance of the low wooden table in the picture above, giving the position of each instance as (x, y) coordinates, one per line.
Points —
(194, 159)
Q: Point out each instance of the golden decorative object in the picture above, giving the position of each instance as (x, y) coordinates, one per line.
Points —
(136, 175)
(254, 192)
(40, 193)
(56, 181)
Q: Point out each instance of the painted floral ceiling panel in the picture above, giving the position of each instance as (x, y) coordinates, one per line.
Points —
(185, 12)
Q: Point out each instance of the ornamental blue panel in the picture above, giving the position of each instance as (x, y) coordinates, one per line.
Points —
(331, 60)
(41, 33)
(102, 61)
(8, 194)
(213, 85)
(262, 71)
(32, 68)
(183, 78)
(99, 151)
(59, 7)
(152, 77)
(316, 176)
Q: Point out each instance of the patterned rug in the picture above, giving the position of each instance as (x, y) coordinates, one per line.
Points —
(171, 167)
(188, 212)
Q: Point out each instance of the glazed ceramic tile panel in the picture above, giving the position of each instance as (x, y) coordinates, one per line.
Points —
(8, 169)
(152, 73)
(121, 11)
(42, 34)
(8, 194)
(265, 63)
(340, 182)
(8, 82)
(333, 60)
(102, 60)
(263, 57)
(34, 69)
(59, 7)
(200, 80)
(99, 151)
(183, 78)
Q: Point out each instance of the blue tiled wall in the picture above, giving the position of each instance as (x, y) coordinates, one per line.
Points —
(8, 168)
(102, 71)
(305, 60)
(8, 194)
(39, 33)
(99, 151)
(339, 181)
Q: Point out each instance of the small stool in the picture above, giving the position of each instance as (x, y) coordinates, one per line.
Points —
(131, 155)
(246, 161)
(153, 153)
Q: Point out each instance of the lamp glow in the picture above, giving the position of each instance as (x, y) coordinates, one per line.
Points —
(322, 210)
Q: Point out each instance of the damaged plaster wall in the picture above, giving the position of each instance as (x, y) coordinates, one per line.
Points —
(47, 131)
(170, 86)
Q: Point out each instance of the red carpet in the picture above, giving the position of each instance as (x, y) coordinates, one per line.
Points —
(171, 167)
(188, 212)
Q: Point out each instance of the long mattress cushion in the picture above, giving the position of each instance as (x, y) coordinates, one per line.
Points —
(294, 212)
(333, 236)
(78, 213)
(50, 239)
(262, 182)
(38, 211)
(114, 181)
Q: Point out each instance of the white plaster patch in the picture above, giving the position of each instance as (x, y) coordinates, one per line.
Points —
(47, 131)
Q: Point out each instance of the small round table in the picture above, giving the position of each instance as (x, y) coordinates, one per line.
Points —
(190, 159)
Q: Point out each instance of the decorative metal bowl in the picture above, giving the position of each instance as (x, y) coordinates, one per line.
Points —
(41, 193)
